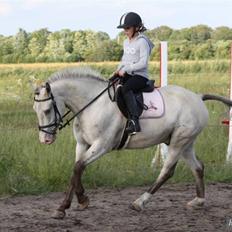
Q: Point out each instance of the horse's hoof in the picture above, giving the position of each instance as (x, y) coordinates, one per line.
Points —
(196, 202)
(135, 207)
(84, 204)
(58, 214)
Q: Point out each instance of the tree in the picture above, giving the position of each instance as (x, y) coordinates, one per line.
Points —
(85, 42)
(204, 51)
(102, 36)
(79, 44)
(222, 33)
(21, 45)
(181, 35)
(200, 33)
(6, 45)
(6, 49)
(59, 46)
(197, 42)
(108, 50)
(196, 34)
(66, 37)
(161, 33)
(38, 41)
(175, 36)
(222, 49)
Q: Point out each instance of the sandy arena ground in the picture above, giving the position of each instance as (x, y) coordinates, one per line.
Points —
(109, 211)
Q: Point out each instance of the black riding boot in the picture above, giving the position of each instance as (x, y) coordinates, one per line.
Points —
(133, 122)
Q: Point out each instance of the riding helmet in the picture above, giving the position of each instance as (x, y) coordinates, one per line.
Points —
(130, 19)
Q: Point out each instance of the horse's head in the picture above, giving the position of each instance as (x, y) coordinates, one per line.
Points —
(49, 109)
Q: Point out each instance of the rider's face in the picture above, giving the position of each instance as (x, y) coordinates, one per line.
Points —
(129, 31)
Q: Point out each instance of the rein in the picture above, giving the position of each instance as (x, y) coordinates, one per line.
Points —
(58, 123)
(112, 81)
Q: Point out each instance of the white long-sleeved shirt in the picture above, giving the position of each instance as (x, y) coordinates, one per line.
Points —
(136, 53)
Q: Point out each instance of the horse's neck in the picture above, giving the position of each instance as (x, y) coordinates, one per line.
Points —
(77, 93)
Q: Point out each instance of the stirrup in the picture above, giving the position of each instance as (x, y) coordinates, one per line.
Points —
(131, 127)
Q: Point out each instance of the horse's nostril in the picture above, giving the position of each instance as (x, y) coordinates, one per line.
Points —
(48, 140)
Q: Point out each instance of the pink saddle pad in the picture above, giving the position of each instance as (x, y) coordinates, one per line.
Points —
(155, 103)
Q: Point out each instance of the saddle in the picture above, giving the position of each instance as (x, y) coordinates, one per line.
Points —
(149, 101)
(150, 104)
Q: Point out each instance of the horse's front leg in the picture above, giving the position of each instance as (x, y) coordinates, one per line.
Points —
(83, 200)
(75, 186)
(97, 149)
(75, 183)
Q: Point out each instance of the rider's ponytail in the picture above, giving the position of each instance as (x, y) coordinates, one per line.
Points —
(142, 28)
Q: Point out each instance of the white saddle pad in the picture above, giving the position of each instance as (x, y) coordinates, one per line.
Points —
(155, 103)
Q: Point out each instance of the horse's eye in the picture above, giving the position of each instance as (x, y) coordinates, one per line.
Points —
(48, 111)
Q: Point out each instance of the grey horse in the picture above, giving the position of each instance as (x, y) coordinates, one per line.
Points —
(98, 129)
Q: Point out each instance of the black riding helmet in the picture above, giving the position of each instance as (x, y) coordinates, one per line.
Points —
(130, 19)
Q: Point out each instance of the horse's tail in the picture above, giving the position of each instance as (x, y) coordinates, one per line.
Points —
(225, 100)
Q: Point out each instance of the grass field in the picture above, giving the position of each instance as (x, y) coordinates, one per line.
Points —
(26, 166)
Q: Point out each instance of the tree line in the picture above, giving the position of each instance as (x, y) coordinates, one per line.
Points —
(193, 43)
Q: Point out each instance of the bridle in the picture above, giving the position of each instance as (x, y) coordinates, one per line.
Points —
(58, 122)
(58, 118)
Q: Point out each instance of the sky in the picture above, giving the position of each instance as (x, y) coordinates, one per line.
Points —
(104, 15)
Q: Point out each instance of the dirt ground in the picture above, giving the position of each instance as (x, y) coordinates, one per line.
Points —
(109, 211)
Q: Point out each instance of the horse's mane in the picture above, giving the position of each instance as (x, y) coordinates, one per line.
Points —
(74, 73)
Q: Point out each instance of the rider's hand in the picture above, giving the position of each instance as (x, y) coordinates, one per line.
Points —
(121, 73)
(114, 76)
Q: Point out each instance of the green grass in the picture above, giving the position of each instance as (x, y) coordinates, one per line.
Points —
(28, 167)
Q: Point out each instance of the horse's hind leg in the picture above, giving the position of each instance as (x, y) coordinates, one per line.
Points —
(197, 168)
(166, 172)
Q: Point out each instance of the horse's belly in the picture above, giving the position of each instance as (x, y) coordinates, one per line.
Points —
(140, 143)
(152, 133)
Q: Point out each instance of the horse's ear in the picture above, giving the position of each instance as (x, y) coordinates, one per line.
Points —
(48, 87)
(35, 84)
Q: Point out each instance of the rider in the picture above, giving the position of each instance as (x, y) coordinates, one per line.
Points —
(133, 67)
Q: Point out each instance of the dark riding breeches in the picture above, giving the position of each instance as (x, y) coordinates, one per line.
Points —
(134, 83)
